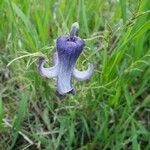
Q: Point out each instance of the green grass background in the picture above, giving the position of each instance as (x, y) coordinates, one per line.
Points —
(110, 111)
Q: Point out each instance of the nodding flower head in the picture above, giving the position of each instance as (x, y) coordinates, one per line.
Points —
(69, 47)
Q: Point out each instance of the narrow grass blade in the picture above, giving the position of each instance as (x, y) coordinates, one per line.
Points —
(1, 113)
(145, 27)
(135, 144)
(19, 117)
(84, 16)
(28, 29)
(26, 21)
(123, 10)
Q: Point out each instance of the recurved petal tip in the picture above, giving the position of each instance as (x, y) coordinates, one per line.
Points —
(47, 72)
(83, 75)
(41, 60)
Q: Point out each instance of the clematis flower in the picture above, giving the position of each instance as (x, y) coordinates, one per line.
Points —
(69, 47)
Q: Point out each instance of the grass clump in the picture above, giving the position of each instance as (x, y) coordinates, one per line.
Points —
(111, 111)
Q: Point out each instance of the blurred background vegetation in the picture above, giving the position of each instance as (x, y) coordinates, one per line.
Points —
(110, 111)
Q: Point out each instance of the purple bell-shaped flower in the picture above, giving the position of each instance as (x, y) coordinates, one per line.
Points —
(69, 47)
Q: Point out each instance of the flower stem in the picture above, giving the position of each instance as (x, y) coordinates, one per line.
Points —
(74, 30)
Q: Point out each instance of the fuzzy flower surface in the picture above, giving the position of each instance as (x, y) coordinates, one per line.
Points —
(69, 48)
